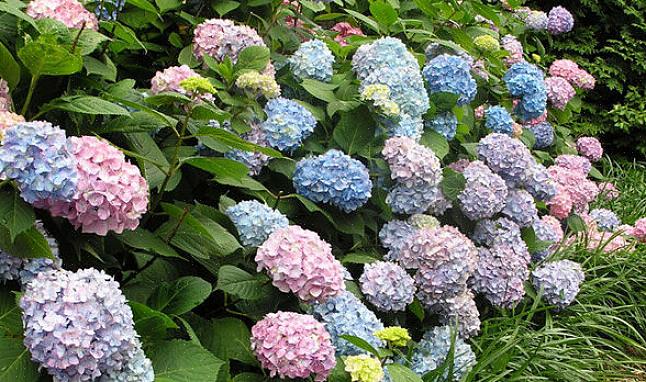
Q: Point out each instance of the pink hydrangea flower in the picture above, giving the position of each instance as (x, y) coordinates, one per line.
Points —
(459, 165)
(8, 119)
(561, 204)
(411, 163)
(298, 261)
(536, 121)
(293, 345)
(575, 163)
(169, 80)
(638, 231)
(572, 184)
(111, 194)
(559, 91)
(345, 30)
(515, 49)
(590, 148)
(595, 239)
(608, 190)
(5, 96)
(556, 228)
(291, 21)
(479, 112)
(570, 71)
(69, 12)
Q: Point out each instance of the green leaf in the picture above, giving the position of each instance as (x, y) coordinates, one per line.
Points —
(240, 283)
(358, 258)
(220, 167)
(29, 244)
(361, 344)
(15, 361)
(320, 90)
(249, 377)
(254, 57)
(233, 141)
(10, 313)
(207, 112)
(15, 215)
(106, 70)
(444, 101)
(88, 41)
(576, 223)
(528, 138)
(12, 9)
(42, 58)
(400, 373)
(227, 338)
(144, 145)
(183, 361)
(596, 174)
(143, 4)
(150, 324)
(436, 142)
(186, 57)
(370, 22)
(167, 5)
(384, 13)
(452, 184)
(144, 239)
(9, 70)
(180, 296)
(354, 131)
(417, 309)
(167, 98)
(84, 104)
(224, 7)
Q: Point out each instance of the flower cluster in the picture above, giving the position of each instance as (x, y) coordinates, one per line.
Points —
(299, 261)
(31, 268)
(394, 335)
(515, 49)
(292, 345)
(259, 84)
(334, 178)
(590, 148)
(638, 230)
(288, 123)
(559, 20)
(461, 311)
(255, 221)
(77, 324)
(559, 91)
(9, 267)
(543, 133)
(498, 119)
(500, 276)
(606, 219)
(137, 368)
(608, 190)
(170, 80)
(526, 82)
(444, 123)
(506, 156)
(8, 119)
(111, 194)
(548, 230)
(411, 163)
(38, 157)
(364, 368)
(380, 96)
(520, 208)
(536, 20)
(5, 96)
(314, 60)
(70, 12)
(571, 72)
(574, 190)
(486, 43)
(393, 236)
(484, 193)
(346, 314)
(578, 164)
(434, 350)
(558, 282)
(345, 30)
(254, 160)
(450, 74)
(387, 286)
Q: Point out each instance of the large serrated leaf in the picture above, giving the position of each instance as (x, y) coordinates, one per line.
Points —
(183, 361)
(15, 215)
(240, 283)
(180, 296)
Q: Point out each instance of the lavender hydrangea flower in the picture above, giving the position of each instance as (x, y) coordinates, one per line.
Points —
(255, 221)
(484, 194)
(520, 208)
(501, 232)
(433, 350)
(506, 156)
(393, 235)
(451, 74)
(515, 49)
(559, 21)
(559, 282)
(536, 20)
(288, 124)
(544, 134)
(548, 230)
(498, 119)
(38, 157)
(137, 368)
(32, 267)
(314, 60)
(417, 199)
(387, 286)
(539, 184)
(254, 161)
(9, 267)
(500, 276)
(410, 163)
(444, 123)
(606, 220)
(590, 148)
(334, 178)
(346, 314)
(462, 311)
(77, 324)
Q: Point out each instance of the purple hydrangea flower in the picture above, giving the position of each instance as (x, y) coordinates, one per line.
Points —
(393, 236)
(520, 208)
(387, 286)
(558, 282)
(544, 134)
(500, 276)
(539, 184)
(506, 156)
(559, 21)
(484, 194)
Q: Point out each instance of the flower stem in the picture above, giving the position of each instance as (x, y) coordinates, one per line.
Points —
(30, 93)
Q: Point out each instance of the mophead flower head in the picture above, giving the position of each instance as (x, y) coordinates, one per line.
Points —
(32, 267)
(77, 325)
(70, 12)
(573, 188)
(313, 60)
(292, 345)
(638, 231)
(486, 43)
(498, 119)
(254, 160)
(137, 368)
(299, 261)
(170, 80)
(111, 194)
(536, 20)
(379, 94)
(417, 199)
(519, 76)
(255, 221)
(39, 158)
(515, 49)
(559, 91)
(334, 178)
(436, 247)
(406, 88)
(445, 124)
(364, 368)
(434, 351)
(484, 193)
(606, 219)
(346, 314)
(501, 232)
(259, 84)
(393, 235)
(450, 74)
(547, 230)
(9, 267)
(460, 311)
(571, 72)
(520, 207)
(543, 133)
(8, 119)
(558, 282)
(506, 156)
(394, 335)
(387, 286)
(288, 124)
(559, 20)
(424, 221)
(386, 52)
(590, 148)
(539, 184)
(500, 276)
(411, 163)
(575, 163)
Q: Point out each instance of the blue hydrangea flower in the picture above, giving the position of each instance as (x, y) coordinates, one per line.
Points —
(518, 75)
(387, 286)
(534, 102)
(255, 221)
(433, 350)
(544, 232)
(544, 134)
(606, 220)
(484, 193)
(538, 183)
(411, 200)
(288, 124)
(404, 126)
(393, 235)
(559, 282)
(498, 119)
(386, 52)
(36, 155)
(9, 267)
(346, 314)
(451, 74)
(520, 208)
(314, 60)
(445, 124)
(334, 178)
(536, 20)
(406, 88)
(137, 368)
(109, 9)
(506, 156)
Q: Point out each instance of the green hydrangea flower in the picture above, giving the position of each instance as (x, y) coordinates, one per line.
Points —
(486, 43)
(394, 335)
(364, 368)
(197, 85)
(257, 83)
(380, 96)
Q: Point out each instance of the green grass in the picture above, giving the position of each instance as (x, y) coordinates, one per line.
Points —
(601, 337)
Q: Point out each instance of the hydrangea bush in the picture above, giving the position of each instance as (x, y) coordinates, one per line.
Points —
(299, 189)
